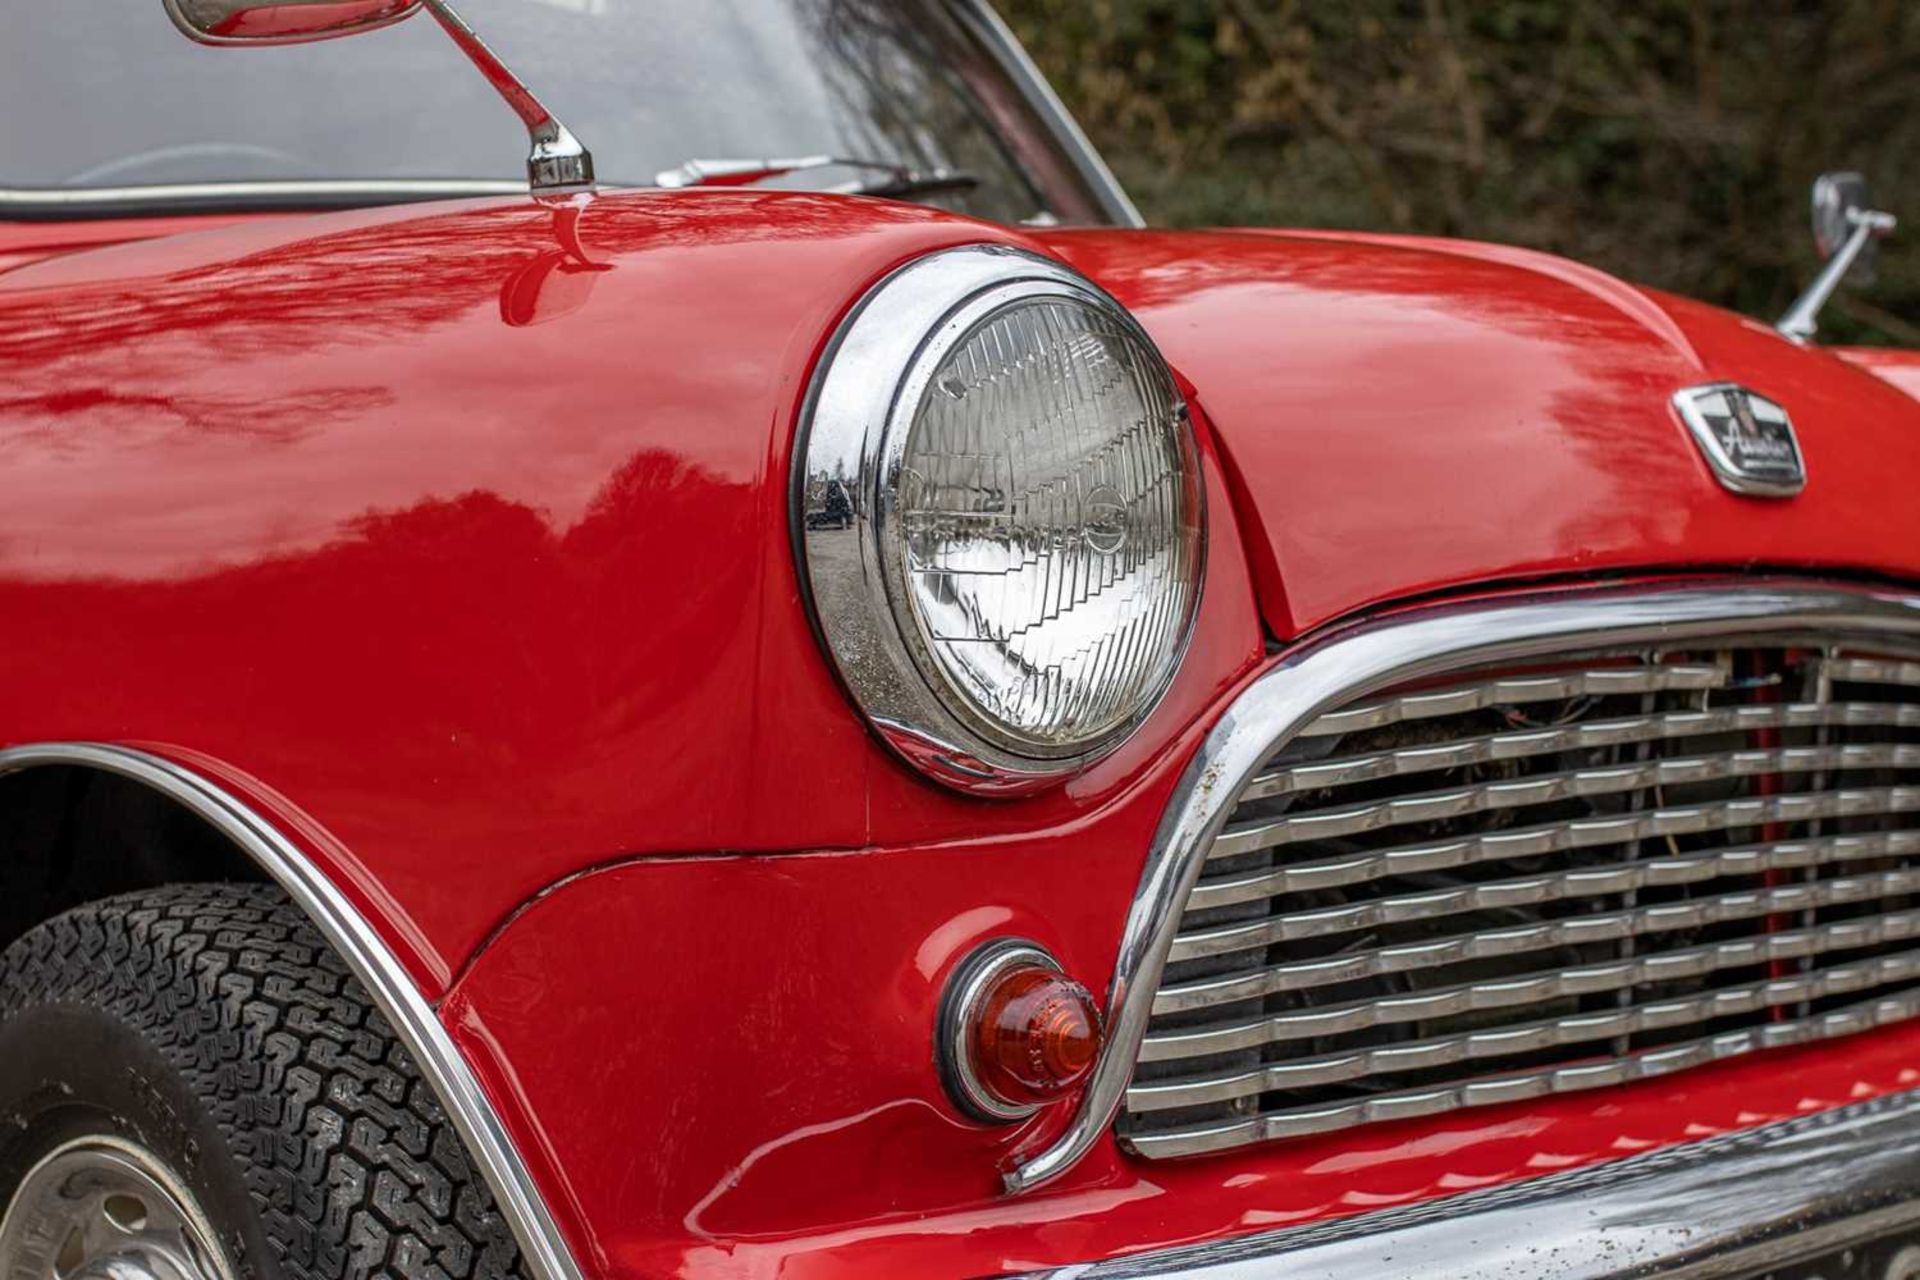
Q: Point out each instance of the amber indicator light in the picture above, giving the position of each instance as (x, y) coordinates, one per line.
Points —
(1036, 1036)
(1019, 1033)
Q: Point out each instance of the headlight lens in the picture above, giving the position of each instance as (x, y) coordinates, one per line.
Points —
(1048, 527)
(1000, 516)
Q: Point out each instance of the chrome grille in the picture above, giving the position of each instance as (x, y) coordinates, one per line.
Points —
(1517, 883)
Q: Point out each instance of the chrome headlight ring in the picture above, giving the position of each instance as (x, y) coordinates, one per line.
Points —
(946, 546)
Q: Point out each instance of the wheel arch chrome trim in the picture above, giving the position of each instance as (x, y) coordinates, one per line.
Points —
(1353, 661)
(544, 1247)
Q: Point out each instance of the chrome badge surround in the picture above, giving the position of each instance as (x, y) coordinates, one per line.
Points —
(853, 435)
(1747, 439)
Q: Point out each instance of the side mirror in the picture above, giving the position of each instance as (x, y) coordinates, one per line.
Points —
(558, 164)
(1838, 200)
(282, 21)
(1845, 226)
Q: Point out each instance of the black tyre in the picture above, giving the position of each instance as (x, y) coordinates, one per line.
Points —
(197, 1056)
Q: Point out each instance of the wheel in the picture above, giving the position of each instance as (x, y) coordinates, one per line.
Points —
(194, 1087)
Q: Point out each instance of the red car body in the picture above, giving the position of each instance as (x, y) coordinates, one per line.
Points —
(469, 569)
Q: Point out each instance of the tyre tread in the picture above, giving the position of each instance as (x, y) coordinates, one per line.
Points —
(348, 1157)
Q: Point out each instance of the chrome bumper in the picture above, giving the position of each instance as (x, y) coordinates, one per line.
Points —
(1736, 1206)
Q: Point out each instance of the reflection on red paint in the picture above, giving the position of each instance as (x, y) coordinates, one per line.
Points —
(1900, 367)
(1357, 383)
(488, 602)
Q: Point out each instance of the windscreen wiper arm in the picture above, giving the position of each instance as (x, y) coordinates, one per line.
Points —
(899, 179)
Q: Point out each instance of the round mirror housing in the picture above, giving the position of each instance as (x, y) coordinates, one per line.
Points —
(282, 21)
(1840, 202)
(1845, 226)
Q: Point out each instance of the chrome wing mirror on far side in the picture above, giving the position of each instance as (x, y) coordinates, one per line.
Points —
(558, 164)
(1846, 227)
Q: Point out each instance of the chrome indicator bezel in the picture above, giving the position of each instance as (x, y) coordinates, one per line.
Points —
(959, 1012)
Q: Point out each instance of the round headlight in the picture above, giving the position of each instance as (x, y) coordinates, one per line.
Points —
(1000, 515)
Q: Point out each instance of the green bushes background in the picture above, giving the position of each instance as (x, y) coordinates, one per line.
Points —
(1668, 141)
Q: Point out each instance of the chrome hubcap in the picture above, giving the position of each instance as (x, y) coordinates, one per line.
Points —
(101, 1208)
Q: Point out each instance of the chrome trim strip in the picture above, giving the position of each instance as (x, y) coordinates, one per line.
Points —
(50, 200)
(1356, 661)
(541, 1243)
(1739, 1204)
(999, 39)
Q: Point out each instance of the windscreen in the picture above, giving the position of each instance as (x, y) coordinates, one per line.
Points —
(109, 96)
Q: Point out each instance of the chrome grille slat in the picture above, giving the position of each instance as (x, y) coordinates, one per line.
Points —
(1577, 1028)
(1574, 784)
(1874, 671)
(1620, 877)
(1530, 988)
(1521, 744)
(1607, 926)
(1561, 837)
(1515, 691)
(1664, 917)
(1520, 883)
(1520, 1086)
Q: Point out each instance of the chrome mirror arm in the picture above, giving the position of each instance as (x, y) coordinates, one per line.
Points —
(558, 164)
(1802, 319)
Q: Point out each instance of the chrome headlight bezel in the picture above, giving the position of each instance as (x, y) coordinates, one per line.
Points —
(855, 428)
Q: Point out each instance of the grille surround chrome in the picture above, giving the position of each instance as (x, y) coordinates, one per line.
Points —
(1346, 665)
(1549, 921)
